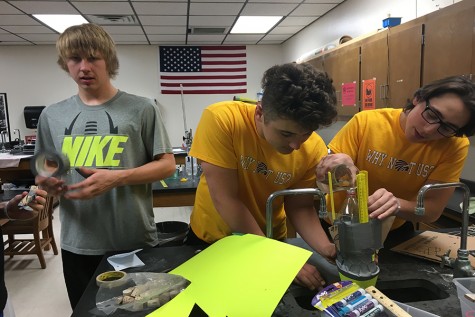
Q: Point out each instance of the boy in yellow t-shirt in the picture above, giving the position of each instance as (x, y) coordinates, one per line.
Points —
(247, 152)
(404, 149)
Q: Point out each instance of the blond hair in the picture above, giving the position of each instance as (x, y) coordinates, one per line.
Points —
(87, 40)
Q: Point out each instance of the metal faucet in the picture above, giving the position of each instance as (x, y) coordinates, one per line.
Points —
(302, 191)
(461, 265)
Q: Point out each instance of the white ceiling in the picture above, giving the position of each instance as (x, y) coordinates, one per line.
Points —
(161, 22)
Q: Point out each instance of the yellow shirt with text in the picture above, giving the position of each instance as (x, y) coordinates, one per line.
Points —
(227, 137)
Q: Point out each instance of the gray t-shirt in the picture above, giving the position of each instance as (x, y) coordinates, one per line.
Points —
(125, 132)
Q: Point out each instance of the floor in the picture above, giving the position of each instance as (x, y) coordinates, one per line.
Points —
(37, 292)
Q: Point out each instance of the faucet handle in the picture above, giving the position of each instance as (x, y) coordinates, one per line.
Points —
(445, 259)
(471, 252)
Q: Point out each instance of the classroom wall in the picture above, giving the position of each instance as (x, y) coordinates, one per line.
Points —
(357, 18)
(31, 77)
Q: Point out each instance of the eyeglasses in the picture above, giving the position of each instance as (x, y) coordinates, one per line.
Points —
(433, 118)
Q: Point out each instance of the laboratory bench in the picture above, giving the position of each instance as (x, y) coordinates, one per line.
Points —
(178, 191)
(396, 270)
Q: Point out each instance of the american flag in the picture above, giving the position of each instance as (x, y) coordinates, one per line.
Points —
(203, 69)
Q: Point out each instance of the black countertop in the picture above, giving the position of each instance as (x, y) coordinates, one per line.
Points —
(393, 266)
(157, 259)
(181, 182)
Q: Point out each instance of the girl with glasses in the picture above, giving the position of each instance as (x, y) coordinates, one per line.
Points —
(404, 149)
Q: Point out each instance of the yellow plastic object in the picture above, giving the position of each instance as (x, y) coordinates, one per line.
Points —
(332, 202)
(362, 283)
(244, 99)
(183, 179)
(163, 183)
(362, 186)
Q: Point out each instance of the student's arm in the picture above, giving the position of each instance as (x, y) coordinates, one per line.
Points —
(224, 191)
(102, 180)
(303, 216)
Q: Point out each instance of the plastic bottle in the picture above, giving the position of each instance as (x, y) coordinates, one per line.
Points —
(349, 211)
(191, 166)
(341, 179)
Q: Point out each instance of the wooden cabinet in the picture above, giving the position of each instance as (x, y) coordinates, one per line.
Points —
(405, 60)
(374, 65)
(317, 62)
(343, 66)
(449, 40)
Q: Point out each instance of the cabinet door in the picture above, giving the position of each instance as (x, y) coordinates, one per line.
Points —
(374, 65)
(317, 62)
(448, 47)
(343, 67)
(405, 60)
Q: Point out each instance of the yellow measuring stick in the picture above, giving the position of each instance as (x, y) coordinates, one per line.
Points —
(163, 183)
(362, 189)
(332, 203)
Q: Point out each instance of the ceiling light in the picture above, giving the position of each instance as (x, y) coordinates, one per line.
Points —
(255, 24)
(60, 22)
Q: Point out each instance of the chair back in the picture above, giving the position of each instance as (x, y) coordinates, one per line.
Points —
(40, 226)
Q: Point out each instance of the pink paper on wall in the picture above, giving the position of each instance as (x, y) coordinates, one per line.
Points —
(348, 94)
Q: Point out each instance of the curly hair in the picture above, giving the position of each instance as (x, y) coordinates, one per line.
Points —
(86, 40)
(298, 92)
(458, 85)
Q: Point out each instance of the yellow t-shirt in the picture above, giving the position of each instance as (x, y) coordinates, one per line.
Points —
(376, 142)
(226, 136)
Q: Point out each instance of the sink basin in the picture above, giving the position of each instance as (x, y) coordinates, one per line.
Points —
(411, 290)
(297, 302)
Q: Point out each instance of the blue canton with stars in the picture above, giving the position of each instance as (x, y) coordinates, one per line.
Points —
(180, 59)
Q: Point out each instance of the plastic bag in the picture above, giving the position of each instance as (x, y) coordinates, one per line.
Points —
(140, 291)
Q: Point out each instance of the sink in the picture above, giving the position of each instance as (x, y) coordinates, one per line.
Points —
(297, 302)
(411, 290)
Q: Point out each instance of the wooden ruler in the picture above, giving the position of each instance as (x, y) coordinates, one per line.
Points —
(387, 303)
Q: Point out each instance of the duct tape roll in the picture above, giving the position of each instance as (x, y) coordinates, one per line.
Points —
(111, 279)
(49, 164)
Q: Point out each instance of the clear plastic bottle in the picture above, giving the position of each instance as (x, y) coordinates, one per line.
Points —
(341, 179)
(349, 211)
(191, 166)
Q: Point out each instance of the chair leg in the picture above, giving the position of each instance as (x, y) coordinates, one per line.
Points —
(39, 250)
(45, 234)
(53, 241)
